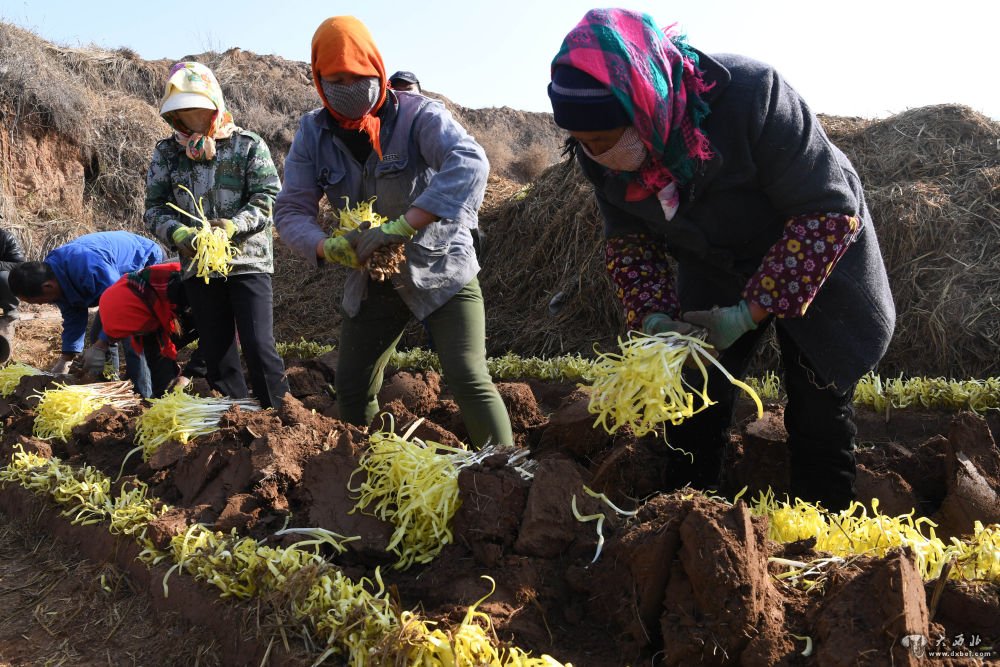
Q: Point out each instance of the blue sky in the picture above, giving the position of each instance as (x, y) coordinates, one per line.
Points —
(847, 57)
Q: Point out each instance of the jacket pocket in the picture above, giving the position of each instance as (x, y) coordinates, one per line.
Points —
(395, 187)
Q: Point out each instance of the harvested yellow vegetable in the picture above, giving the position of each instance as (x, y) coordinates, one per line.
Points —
(412, 484)
(599, 517)
(181, 417)
(60, 410)
(357, 621)
(362, 215)
(473, 642)
(571, 367)
(883, 395)
(853, 532)
(11, 374)
(303, 349)
(387, 260)
(212, 250)
(85, 493)
(643, 386)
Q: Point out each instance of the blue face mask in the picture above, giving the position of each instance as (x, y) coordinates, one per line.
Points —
(352, 100)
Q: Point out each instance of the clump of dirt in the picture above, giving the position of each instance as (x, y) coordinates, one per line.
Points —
(402, 420)
(493, 498)
(103, 440)
(419, 392)
(521, 405)
(972, 465)
(867, 610)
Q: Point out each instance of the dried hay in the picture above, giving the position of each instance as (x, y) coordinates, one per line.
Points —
(932, 178)
(498, 190)
(128, 130)
(545, 244)
(36, 89)
(306, 298)
(61, 609)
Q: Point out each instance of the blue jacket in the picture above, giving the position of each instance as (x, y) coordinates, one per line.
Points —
(428, 161)
(772, 161)
(87, 266)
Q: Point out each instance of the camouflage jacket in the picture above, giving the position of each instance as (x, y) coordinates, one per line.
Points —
(239, 183)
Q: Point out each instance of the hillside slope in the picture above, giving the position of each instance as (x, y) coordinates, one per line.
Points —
(78, 126)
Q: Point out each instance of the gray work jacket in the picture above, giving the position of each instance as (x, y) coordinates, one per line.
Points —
(428, 161)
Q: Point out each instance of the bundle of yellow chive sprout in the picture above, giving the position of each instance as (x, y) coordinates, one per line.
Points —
(643, 386)
(212, 250)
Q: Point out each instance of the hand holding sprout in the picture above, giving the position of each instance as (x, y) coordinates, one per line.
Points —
(644, 387)
(386, 261)
(208, 243)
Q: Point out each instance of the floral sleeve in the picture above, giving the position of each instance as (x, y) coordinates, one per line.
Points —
(644, 281)
(795, 268)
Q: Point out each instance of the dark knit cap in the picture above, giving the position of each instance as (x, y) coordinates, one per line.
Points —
(581, 103)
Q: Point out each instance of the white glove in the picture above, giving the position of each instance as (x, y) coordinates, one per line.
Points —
(61, 367)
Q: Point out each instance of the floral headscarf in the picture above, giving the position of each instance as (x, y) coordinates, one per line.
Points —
(343, 44)
(654, 75)
(195, 78)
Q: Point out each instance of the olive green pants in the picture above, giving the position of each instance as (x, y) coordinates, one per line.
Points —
(458, 329)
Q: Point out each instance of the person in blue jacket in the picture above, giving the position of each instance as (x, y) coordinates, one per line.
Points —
(73, 276)
(428, 176)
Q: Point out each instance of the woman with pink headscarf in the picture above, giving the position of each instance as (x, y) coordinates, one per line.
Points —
(716, 162)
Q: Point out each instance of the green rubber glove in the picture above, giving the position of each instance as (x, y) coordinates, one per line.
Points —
(724, 325)
(183, 238)
(224, 223)
(338, 250)
(655, 323)
(389, 233)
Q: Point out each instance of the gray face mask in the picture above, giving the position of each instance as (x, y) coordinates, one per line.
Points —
(352, 100)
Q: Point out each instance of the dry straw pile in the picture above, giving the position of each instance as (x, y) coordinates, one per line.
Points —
(543, 276)
(932, 177)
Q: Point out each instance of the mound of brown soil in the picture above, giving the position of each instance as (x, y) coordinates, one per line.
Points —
(684, 581)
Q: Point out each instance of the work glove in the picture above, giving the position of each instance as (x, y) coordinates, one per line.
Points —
(724, 325)
(226, 224)
(183, 238)
(61, 367)
(93, 361)
(339, 250)
(655, 323)
(389, 233)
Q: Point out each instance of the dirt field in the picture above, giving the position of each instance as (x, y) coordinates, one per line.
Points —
(686, 581)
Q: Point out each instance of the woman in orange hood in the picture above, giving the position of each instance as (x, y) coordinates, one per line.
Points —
(428, 177)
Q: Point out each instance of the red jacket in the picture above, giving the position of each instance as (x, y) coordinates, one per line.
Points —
(139, 304)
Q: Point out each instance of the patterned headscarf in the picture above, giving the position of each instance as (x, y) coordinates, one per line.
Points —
(654, 75)
(342, 44)
(195, 78)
